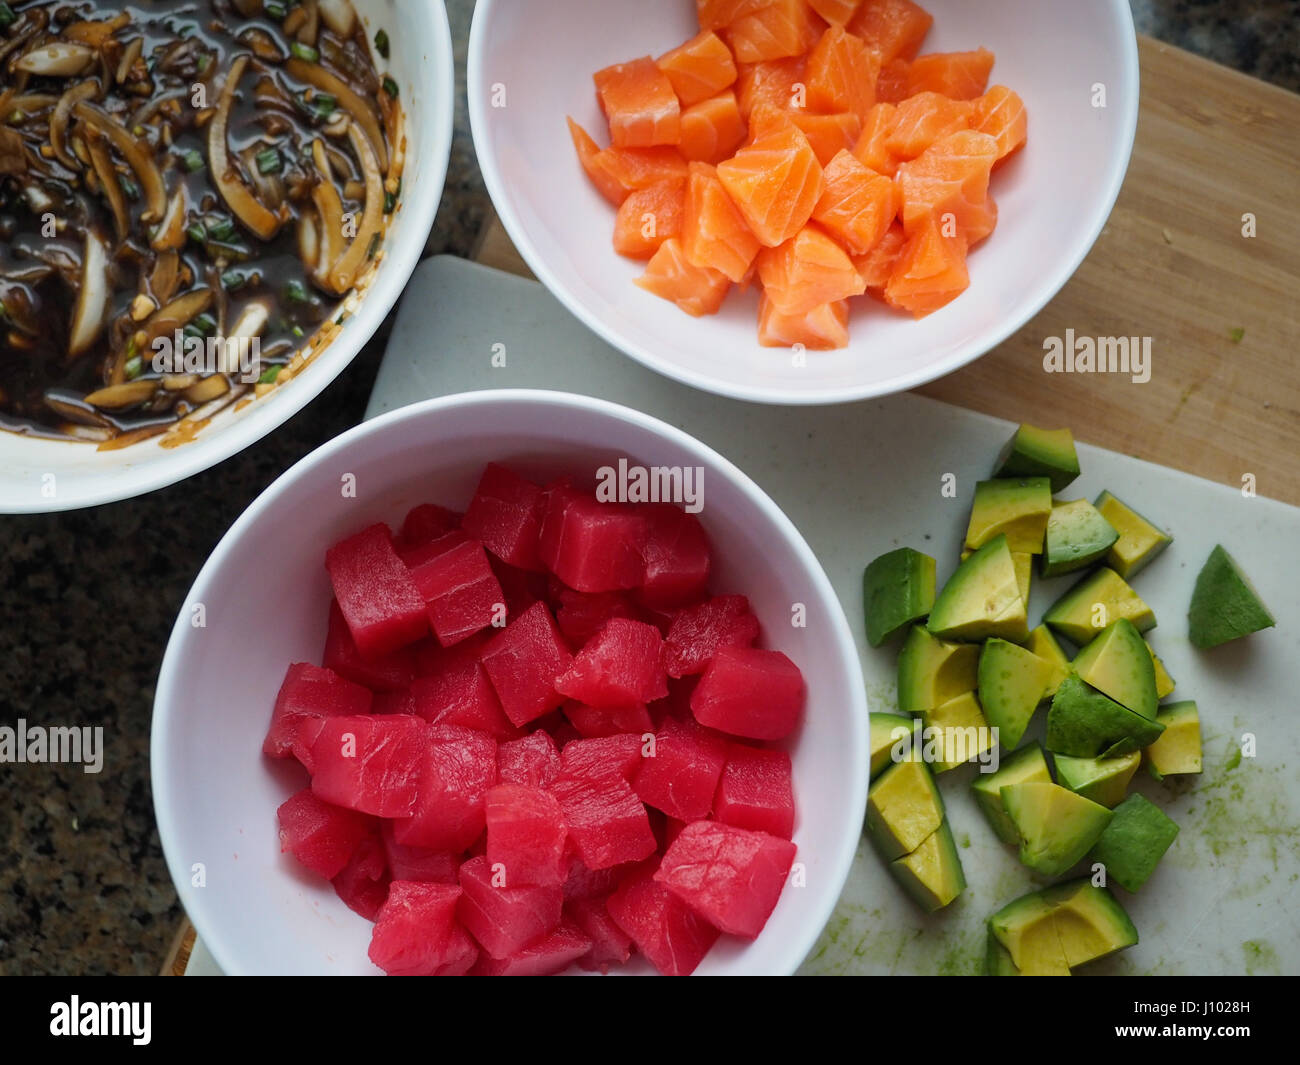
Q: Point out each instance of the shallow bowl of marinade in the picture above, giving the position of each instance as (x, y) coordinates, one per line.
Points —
(207, 208)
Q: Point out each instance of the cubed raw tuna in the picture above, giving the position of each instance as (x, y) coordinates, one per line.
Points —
(669, 933)
(457, 692)
(730, 876)
(525, 835)
(418, 863)
(755, 791)
(750, 692)
(682, 775)
(386, 673)
(523, 663)
(457, 768)
(372, 764)
(592, 546)
(416, 932)
(619, 666)
(533, 760)
(551, 954)
(322, 837)
(584, 883)
(374, 590)
(522, 588)
(619, 754)
(607, 823)
(417, 556)
(426, 522)
(505, 516)
(698, 631)
(505, 919)
(308, 695)
(610, 945)
(363, 882)
(396, 702)
(462, 592)
(593, 723)
(580, 615)
(676, 555)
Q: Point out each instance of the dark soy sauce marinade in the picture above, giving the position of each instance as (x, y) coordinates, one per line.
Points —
(73, 77)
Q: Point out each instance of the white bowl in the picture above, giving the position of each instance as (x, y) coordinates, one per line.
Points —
(264, 594)
(40, 475)
(1053, 198)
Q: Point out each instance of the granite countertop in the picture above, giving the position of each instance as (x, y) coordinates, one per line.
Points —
(89, 599)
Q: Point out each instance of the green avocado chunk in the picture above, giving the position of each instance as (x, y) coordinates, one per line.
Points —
(1093, 603)
(1119, 663)
(1056, 827)
(1103, 780)
(1134, 842)
(932, 671)
(903, 808)
(931, 874)
(1049, 932)
(887, 731)
(1077, 535)
(1178, 750)
(897, 589)
(1012, 682)
(1225, 605)
(1024, 767)
(1084, 723)
(1139, 541)
(1015, 508)
(1035, 452)
(982, 598)
(1090, 922)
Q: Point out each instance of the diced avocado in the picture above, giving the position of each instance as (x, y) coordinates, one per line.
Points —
(1077, 535)
(1103, 780)
(982, 598)
(1086, 724)
(1225, 605)
(1044, 645)
(897, 589)
(903, 807)
(932, 873)
(1178, 750)
(963, 733)
(1090, 922)
(887, 730)
(997, 959)
(1023, 562)
(1134, 842)
(932, 671)
(1017, 508)
(1139, 540)
(1025, 929)
(1118, 663)
(1094, 603)
(1012, 682)
(1027, 766)
(1056, 827)
(1164, 682)
(1035, 452)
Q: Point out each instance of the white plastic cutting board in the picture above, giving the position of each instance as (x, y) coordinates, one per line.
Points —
(863, 478)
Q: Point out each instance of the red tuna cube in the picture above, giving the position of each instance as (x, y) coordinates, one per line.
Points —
(610, 945)
(322, 837)
(458, 692)
(620, 754)
(676, 555)
(697, 632)
(364, 881)
(533, 760)
(581, 615)
(371, 764)
(551, 954)
(523, 663)
(463, 594)
(593, 723)
(416, 932)
(308, 695)
(525, 835)
(592, 546)
(681, 776)
(584, 883)
(505, 919)
(397, 702)
(618, 667)
(751, 693)
(505, 516)
(382, 606)
(522, 588)
(418, 863)
(417, 556)
(607, 823)
(386, 673)
(669, 933)
(427, 522)
(755, 791)
(730, 876)
(458, 766)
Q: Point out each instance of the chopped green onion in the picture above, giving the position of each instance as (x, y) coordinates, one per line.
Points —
(275, 11)
(221, 229)
(134, 366)
(305, 52)
(269, 375)
(1236, 335)
(131, 189)
(233, 280)
(374, 246)
(269, 161)
(297, 331)
(390, 86)
(341, 318)
(7, 16)
(390, 202)
(296, 292)
(193, 160)
(206, 324)
(323, 105)
(205, 61)
(197, 233)
(381, 43)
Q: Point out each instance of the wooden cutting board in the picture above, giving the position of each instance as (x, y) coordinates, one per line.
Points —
(1212, 145)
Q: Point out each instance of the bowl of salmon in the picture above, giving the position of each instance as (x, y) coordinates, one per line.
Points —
(803, 201)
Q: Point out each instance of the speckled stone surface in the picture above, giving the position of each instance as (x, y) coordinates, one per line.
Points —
(87, 600)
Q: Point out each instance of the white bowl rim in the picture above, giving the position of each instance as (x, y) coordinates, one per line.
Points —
(839, 864)
(961, 356)
(219, 442)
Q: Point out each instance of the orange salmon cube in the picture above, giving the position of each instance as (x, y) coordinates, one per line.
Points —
(836, 12)
(648, 217)
(828, 134)
(719, 14)
(639, 101)
(776, 182)
(639, 168)
(1001, 114)
(876, 266)
(841, 74)
(923, 119)
(714, 232)
(777, 30)
(806, 271)
(930, 272)
(712, 129)
(857, 205)
(872, 150)
(695, 289)
(948, 183)
(893, 29)
(891, 85)
(700, 68)
(824, 328)
(589, 154)
(957, 75)
(778, 84)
